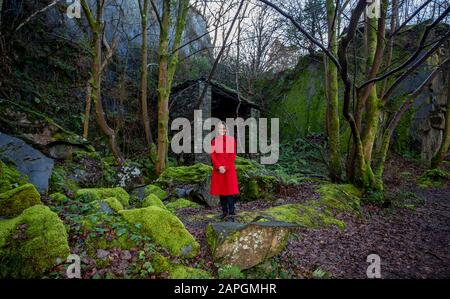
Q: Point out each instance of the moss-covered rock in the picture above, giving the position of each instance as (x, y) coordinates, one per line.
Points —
(182, 203)
(153, 200)
(302, 215)
(10, 177)
(32, 243)
(14, 201)
(108, 205)
(340, 198)
(91, 194)
(165, 229)
(193, 174)
(58, 198)
(246, 245)
(153, 189)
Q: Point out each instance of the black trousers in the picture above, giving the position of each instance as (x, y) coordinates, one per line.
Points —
(227, 203)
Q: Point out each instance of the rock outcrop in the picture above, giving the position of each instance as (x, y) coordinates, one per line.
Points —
(246, 245)
(32, 243)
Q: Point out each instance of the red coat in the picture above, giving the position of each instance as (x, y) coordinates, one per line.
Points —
(224, 183)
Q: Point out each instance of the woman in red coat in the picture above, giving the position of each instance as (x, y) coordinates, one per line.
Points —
(224, 179)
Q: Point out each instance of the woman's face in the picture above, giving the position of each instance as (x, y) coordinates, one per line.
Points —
(222, 129)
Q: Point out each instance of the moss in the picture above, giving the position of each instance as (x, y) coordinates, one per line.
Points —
(183, 272)
(58, 198)
(91, 194)
(305, 216)
(31, 243)
(114, 203)
(14, 201)
(165, 229)
(153, 200)
(10, 177)
(160, 263)
(60, 182)
(182, 203)
(230, 272)
(434, 178)
(340, 198)
(153, 189)
(193, 174)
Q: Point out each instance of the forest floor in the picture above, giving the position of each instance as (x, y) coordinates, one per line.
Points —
(412, 240)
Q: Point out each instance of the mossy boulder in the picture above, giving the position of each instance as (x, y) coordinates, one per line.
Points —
(58, 198)
(193, 174)
(165, 229)
(246, 245)
(340, 197)
(91, 194)
(156, 190)
(14, 201)
(32, 243)
(153, 200)
(108, 205)
(9, 177)
(182, 203)
(306, 216)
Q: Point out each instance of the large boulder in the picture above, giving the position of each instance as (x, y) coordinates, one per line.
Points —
(29, 161)
(165, 229)
(91, 194)
(14, 201)
(246, 245)
(32, 243)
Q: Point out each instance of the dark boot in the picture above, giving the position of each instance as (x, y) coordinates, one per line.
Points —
(230, 203)
(224, 204)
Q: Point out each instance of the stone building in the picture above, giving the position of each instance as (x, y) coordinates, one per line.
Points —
(220, 101)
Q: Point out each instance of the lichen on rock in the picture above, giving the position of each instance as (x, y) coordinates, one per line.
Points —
(14, 201)
(165, 229)
(246, 245)
(32, 243)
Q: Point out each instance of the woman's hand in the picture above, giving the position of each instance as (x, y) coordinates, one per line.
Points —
(222, 169)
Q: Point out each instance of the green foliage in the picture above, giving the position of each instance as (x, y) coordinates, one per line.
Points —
(321, 274)
(230, 272)
(58, 198)
(14, 201)
(91, 194)
(183, 272)
(434, 178)
(10, 178)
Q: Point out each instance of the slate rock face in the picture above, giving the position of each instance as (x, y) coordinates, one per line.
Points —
(28, 161)
(246, 245)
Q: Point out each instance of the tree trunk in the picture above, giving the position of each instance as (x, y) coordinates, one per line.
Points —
(332, 116)
(87, 111)
(144, 74)
(443, 150)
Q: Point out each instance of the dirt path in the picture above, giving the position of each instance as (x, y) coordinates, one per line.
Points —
(411, 243)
